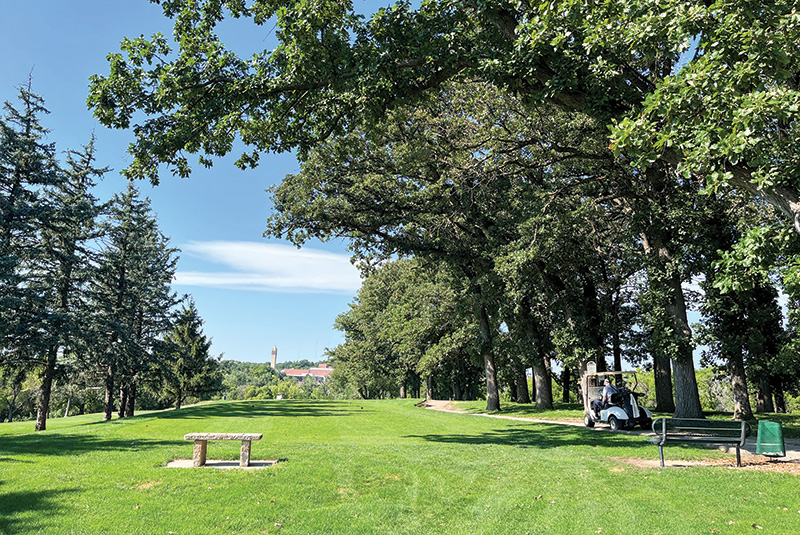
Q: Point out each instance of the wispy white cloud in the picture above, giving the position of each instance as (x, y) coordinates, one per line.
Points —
(269, 267)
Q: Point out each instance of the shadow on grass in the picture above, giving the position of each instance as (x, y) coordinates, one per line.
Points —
(261, 409)
(69, 444)
(27, 511)
(542, 437)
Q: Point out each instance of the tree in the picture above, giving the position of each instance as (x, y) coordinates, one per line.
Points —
(190, 370)
(410, 321)
(727, 112)
(62, 271)
(27, 165)
(132, 296)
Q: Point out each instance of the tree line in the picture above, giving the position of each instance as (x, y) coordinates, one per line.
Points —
(571, 167)
(85, 286)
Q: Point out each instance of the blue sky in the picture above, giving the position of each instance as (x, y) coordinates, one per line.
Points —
(253, 293)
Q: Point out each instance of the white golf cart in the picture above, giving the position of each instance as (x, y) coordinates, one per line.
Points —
(622, 411)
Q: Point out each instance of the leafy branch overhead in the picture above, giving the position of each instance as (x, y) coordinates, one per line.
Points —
(709, 87)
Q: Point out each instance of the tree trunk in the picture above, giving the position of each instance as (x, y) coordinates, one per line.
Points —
(565, 382)
(591, 311)
(69, 401)
(741, 398)
(512, 386)
(616, 347)
(131, 401)
(429, 387)
(777, 391)
(403, 391)
(47, 387)
(492, 391)
(15, 393)
(123, 399)
(662, 374)
(687, 397)
(523, 394)
(543, 386)
(108, 403)
(764, 395)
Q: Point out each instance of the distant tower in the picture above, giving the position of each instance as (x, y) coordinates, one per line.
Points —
(274, 356)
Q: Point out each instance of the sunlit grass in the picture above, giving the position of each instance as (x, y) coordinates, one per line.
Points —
(368, 467)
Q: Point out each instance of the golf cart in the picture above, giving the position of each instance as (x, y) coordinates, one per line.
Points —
(622, 411)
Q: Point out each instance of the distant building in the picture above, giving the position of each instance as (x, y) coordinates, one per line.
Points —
(319, 374)
(274, 361)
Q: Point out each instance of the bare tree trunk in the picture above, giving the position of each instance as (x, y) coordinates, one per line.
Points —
(662, 375)
(616, 347)
(764, 395)
(131, 401)
(15, 393)
(69, 402)
(512, 387)
(523, 394)
(43, 406)
(741, 398)
(492, 390)
(687, 397)
(543, 386)
(108, 404)
(777, 391)
(123, 399)
(565, 381)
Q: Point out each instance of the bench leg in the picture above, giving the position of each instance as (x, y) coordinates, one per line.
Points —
(738, 457)
(244, 458)
(199, 454)
(661, 455)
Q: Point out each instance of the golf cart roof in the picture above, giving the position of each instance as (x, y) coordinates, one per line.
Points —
(601, 374)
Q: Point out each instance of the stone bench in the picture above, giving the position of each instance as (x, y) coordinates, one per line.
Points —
(201, 445)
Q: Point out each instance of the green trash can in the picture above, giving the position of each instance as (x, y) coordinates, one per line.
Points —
(770, 439)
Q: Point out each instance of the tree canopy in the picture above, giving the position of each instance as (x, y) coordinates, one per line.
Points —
(708, 87)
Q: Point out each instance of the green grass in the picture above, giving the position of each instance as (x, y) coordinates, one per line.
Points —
(369, 467)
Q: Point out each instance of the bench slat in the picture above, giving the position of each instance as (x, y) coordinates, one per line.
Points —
(223, 436)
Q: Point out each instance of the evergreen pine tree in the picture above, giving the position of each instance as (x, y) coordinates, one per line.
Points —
(132, 295)
(27, 166)
(62, 269)
(190, 370)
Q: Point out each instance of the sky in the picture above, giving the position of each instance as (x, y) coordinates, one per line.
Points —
(253, 293)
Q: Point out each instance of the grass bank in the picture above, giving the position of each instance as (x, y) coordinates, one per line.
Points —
(369, 467)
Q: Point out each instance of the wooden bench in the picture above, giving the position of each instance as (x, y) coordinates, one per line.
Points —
(732, 432)
(201, 445)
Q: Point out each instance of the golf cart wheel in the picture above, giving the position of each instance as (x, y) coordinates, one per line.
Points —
(646, 425)
(588, 421)
(614, 424)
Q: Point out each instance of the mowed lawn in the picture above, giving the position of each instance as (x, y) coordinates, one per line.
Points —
(370, 467)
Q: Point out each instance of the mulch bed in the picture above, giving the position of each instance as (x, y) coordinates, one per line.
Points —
(748, 463)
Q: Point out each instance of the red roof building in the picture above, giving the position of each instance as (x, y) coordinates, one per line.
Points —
(320, 374)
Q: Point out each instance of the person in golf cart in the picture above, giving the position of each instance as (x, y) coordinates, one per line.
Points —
(608, 391)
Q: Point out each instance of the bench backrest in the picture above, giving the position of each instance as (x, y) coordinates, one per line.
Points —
(701, 427)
